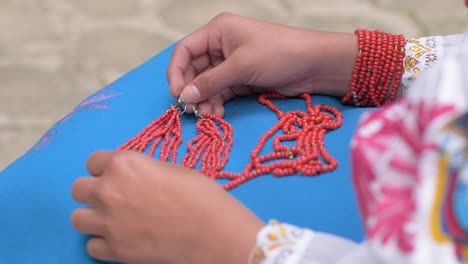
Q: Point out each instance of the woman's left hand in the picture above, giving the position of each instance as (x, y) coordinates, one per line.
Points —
(147, 211)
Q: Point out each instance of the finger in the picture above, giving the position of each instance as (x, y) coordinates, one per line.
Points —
(97, 162)
(205, 107)
(225, 96)
(218, 101)
(81, 191)
(216, 59)
(195, 67)
(190, 108)
(215, 104)
(212, 82)
(99, 249)
(87, 221)
(218, 109)
(189, 48)
(243, 90)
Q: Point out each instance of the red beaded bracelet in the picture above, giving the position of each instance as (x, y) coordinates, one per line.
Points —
(378, 69)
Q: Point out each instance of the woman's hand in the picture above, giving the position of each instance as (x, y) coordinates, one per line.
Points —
(147, 211)
(234, 55)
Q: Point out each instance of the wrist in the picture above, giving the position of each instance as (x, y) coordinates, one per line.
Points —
(238, 243)
(335, 59)
(230, 237)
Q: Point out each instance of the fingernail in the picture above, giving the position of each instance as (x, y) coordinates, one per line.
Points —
(191, 94)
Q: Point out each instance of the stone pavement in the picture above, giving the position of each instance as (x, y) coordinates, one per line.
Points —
(53, 53)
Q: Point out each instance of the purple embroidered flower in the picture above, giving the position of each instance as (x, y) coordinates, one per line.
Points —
(94, 102)
(45, 140)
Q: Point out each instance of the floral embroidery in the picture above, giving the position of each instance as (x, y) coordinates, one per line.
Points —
(93, 102)
(276, 243)
(384, 175)
(419, 50)
(45, 139)
(449, 216)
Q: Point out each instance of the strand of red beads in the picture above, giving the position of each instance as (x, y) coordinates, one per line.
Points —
(399, 50)
(385, 79)
(351, 96)
(307, 129)
(365, 91)
(167, 129)
(378, 69)
(212, 145)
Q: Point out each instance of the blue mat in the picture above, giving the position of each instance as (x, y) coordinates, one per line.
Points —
(35, 199)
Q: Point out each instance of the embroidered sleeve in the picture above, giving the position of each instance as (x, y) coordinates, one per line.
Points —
(279, 243)
(422, 53)
(407, 163)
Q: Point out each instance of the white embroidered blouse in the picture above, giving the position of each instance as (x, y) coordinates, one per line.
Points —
(410, 172)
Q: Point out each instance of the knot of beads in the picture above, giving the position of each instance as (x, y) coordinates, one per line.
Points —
(306, 129)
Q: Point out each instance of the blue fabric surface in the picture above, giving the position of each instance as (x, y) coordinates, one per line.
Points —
(35, 196)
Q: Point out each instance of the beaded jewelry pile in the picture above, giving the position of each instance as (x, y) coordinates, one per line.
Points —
(376, 78)
(211, 147)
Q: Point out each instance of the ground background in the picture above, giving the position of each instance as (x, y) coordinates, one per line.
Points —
(53, 53)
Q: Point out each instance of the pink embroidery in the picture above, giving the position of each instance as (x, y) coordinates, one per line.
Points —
(386, 150)
(391, 214)
(45, 140)
(91, 103)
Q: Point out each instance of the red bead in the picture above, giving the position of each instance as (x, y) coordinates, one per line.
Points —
(379, 63)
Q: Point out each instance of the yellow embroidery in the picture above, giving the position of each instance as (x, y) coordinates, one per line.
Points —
(272, 237)
(278, 236)
(411, 62)
(465, 252)
(435, 221)
(282, 230)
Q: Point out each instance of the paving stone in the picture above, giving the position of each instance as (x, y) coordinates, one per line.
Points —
(424, 5)
(189, 15)
(331, 17)
(435, 17)
(23, 24)
(121, 49)
(350, 22)
(441, 27)
(54, 53)
(28, 92)
(16, 141)
(437, 23)
(108, 8)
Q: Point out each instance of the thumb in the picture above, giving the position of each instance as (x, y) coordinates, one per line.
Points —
(211, 82)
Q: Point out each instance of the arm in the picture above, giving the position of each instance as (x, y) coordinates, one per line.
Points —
(146, 211)
(223, 60)
(235, 56)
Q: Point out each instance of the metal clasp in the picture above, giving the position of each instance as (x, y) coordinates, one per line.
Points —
(179, 105)
(197, 114)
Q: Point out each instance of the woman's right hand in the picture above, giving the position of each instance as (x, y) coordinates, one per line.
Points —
(235, 56)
